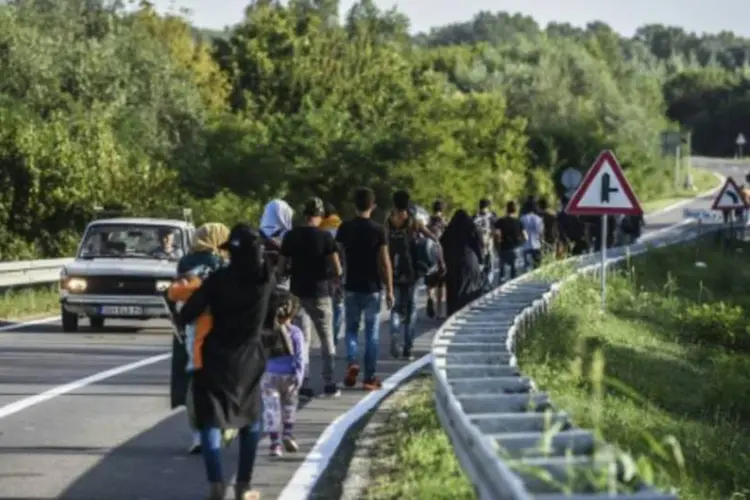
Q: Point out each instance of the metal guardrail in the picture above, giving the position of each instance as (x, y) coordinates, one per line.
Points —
(496, 418)
(31, 272)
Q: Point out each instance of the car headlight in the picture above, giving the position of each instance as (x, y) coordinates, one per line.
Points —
(75, 285)
(162, 285)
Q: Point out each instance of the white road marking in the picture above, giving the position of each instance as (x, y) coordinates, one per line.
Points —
(308, 474)
(22, 324)
(25, 403)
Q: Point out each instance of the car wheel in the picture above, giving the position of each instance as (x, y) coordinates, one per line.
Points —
(97, 322)
(69, 321)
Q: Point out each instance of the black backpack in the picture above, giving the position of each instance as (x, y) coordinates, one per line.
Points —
(403, 249)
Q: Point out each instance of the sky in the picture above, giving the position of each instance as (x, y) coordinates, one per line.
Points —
(623, 15)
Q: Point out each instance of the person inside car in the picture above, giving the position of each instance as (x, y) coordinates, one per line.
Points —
(167, 247)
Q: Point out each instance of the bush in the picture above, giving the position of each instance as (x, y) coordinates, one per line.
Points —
(665, 373)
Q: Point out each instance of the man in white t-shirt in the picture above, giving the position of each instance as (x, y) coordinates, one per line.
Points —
(533, 226)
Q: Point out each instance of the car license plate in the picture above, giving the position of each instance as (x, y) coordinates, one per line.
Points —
(121, 311)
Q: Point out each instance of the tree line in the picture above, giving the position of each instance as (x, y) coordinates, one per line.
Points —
(100, 104)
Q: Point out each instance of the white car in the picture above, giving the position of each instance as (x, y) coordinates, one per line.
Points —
(122, 268)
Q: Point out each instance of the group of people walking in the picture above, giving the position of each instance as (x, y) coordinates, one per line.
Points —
(247, 300)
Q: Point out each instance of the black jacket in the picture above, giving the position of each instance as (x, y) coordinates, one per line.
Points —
(226, 390)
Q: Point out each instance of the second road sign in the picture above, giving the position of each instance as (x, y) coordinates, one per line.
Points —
(729, 197)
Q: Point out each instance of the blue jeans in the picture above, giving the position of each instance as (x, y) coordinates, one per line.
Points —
(338, 318)
(249, 437)
(404, 311)
(356, 305)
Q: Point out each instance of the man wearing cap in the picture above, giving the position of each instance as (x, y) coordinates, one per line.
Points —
(314, 265)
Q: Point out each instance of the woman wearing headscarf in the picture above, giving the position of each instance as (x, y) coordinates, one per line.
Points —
(228, 370)
(462, 252)
(203, 259)
(274, 224)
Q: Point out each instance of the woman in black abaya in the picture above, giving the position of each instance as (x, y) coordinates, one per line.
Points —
(228, 368)
(462, 250)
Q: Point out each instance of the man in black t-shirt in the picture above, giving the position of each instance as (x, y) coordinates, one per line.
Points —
(509, 235)
(363, 243)
(315, 263)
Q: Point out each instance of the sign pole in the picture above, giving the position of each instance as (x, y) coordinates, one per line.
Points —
(604, 191)
(603, 254)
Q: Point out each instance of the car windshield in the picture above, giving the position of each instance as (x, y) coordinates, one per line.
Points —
(132, 241)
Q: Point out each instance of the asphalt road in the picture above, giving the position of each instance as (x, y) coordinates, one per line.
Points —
(116, 438)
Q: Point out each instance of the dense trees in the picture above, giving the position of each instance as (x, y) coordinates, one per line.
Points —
(705, 78)
(99, 105)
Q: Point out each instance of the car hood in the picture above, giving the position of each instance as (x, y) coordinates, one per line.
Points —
(122, 267)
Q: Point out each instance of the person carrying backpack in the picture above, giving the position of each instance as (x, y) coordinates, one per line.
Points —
(403, 231)
(435, 281)
(485, 222)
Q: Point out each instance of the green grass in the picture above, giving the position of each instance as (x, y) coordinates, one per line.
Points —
(665, 373)
(17, 304)
(414, 459)
(703, 181)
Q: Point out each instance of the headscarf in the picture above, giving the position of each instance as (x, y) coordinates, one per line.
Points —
(245, 247)
(461, 233)
(209, 237)
(277, 215)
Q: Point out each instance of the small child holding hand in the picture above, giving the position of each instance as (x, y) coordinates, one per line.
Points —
(285, 367)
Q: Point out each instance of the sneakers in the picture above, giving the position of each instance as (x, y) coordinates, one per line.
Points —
(352, 372)
(242, 491)
(290, 445)
(372, 384)
(332, 390)
(275, 450)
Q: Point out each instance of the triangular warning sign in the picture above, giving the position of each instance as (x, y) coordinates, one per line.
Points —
(729, 197)
(604, 190)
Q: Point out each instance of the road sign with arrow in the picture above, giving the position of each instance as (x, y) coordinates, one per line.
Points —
(604, 191)
(729, 197)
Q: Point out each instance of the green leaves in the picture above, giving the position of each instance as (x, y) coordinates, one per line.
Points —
(99, 105)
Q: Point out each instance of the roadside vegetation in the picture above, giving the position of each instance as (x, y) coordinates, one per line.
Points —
(28, 302)
(413, 457)
(665, 373)
(703, 180)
